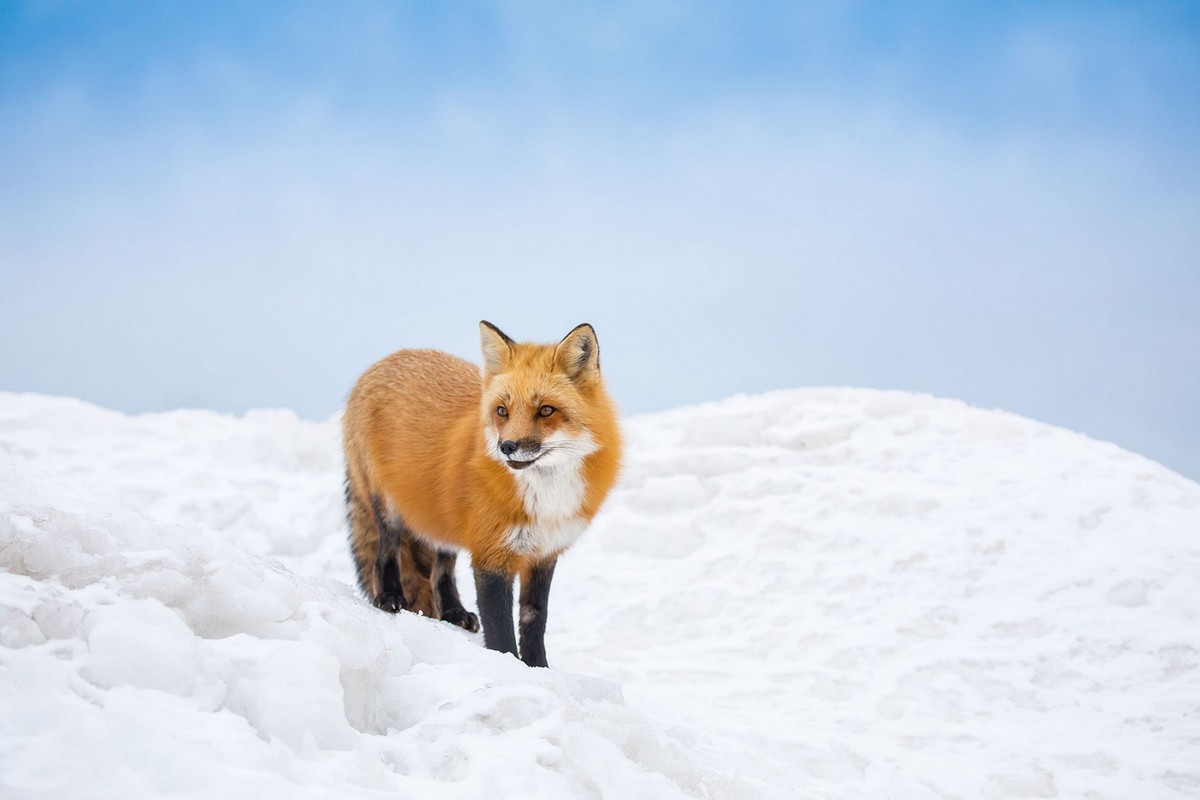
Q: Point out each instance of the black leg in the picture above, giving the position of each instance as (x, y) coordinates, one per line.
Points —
(535, 596)
(445, 592)
(387, 562)
(494, 591)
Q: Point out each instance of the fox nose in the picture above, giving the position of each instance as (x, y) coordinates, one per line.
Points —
(529, 445)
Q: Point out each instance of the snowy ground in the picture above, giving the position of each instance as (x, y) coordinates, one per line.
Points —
(807, 594)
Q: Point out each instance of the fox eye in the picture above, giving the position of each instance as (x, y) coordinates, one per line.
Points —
(501, 411)
(546, 411)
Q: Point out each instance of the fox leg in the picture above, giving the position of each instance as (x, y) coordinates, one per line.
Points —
(445, 593)
(427, 577)
(389, 591)
(417, 558)
(375, 544)
(364, 539)
(494, 590)
(535, 596)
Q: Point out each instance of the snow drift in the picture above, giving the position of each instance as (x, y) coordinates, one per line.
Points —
(819, 593)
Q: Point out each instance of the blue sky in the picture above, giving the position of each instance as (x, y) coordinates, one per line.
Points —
(237, 206)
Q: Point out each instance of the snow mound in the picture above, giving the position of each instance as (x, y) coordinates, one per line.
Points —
(149, 646)
(816, 593)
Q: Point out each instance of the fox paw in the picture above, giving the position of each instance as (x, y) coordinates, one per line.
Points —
(462, 618)
(391, 602)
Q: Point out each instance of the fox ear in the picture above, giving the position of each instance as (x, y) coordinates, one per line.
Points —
(578, 354)
(496, 347)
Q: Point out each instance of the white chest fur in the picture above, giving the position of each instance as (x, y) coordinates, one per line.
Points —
(540, 538)
(553, 498)
(551, 492)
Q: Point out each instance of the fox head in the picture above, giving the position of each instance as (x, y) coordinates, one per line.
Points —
(541, 403)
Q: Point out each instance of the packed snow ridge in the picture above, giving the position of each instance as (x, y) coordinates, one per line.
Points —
(805, 594)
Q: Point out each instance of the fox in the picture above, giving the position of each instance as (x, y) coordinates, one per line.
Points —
(509, 462)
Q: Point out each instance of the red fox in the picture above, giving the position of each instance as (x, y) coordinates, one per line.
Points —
(509, 463)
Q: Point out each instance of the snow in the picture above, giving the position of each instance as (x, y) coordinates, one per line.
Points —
(807, 594)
